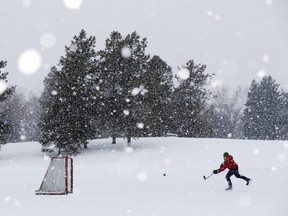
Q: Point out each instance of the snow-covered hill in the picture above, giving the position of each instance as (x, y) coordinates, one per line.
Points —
(113, 180)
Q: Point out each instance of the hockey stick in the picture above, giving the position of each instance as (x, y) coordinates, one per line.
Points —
(205, 178)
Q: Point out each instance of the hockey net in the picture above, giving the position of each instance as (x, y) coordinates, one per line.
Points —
(58, 179)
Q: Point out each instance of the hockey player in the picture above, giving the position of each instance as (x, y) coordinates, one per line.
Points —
(230, 164)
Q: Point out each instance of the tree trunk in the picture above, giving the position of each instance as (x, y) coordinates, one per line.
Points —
(128, 141)
(113, 140)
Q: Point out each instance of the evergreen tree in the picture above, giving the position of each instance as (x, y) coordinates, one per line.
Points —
(262, 118)
(109, 67)
(226, 113)
(284, 117)
(66, 101)
(23, 117)
(14, 109)
(31, 130)
(50, 116)
(190, 102)
(158, 83)
(251, 119)
(5, 93)
(121, 65)
(132, 89)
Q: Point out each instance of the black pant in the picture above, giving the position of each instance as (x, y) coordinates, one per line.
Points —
(237, 175)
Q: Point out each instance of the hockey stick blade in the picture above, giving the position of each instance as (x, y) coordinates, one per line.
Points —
(205, 178)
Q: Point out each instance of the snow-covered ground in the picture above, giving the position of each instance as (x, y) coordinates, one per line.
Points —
(113, 180)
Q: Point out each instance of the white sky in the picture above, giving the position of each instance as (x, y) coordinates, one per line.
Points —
(237, 40)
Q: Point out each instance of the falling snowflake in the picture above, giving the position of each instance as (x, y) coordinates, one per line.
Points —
(54, 92)
(138, 90)
(126, 112)
(46, 157)
(7, 199)
(261, 73)
(135, 91)
(269, 2)
(22, 137)
(142, 176)
(217, 17)
(73, 4)
(183, 74)
(73, 47)
(126, 52)
(129, 211)
(129, 150)
(266, 58)
(140, 125)
(48, 40)
(209, 13)
(3, 86)
(26, 3)
(29, 62)
(256, 151)
(282, 157)
(216, 83)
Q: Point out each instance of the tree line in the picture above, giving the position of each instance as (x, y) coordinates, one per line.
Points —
(121, 91)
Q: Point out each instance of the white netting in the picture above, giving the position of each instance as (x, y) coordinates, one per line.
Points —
(58, 178)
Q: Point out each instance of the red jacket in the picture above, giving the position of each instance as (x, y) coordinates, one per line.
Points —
(228, 163)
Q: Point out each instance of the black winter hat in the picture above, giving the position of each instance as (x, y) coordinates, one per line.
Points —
(226, 154)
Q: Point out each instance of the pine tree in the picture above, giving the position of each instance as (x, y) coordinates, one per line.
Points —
(23, 117)
(5, 93)
(251, 118)
(226, 112)
(121, 65)
(50, 116)
(190, 98)
(14, 109)
(283, 132)
(109, 67)
(132, 90)
(67, 99)
(262, 114)
(158, 83)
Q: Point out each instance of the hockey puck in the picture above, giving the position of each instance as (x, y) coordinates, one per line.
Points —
(164, 174)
